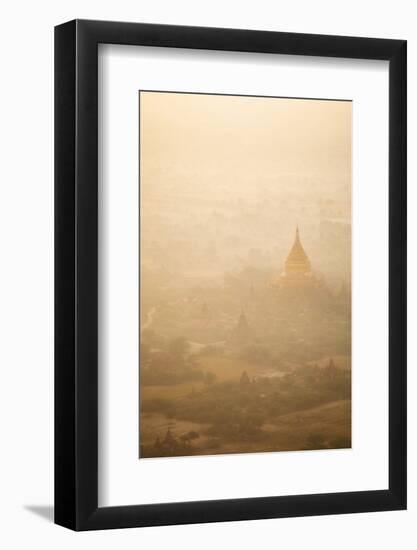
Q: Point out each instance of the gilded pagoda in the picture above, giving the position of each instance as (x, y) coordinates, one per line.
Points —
(297, 271)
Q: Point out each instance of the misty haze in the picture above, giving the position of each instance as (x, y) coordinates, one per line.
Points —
(245, 274)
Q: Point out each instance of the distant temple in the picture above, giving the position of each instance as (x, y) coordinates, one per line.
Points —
(244, 382)
(297, 268)
(242, 333)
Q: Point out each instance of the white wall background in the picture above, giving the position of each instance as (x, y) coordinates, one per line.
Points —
(26, 289)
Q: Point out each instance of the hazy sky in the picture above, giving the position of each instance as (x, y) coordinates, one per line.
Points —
(239, 173)
(229, 140)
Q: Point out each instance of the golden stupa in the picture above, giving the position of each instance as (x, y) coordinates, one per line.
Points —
(297, 268)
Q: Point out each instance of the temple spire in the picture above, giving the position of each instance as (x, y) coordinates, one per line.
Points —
(297, 234)
(297, 272)
(242, 331)
(297, 261)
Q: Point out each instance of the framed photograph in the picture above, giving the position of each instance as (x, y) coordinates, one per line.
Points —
(230, 285)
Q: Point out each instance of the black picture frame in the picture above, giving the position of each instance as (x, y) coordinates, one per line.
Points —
(76, 274)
